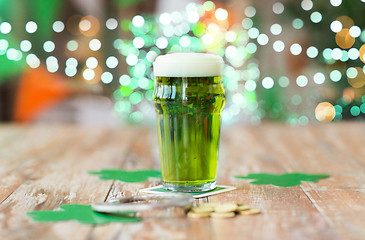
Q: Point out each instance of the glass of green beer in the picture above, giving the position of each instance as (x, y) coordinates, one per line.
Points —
(189, 99)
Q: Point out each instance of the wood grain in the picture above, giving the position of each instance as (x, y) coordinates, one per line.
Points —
(44, 166)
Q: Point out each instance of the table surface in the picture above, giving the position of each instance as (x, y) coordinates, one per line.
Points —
(44, 166)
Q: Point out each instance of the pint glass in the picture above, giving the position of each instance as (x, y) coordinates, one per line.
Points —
(189, 99)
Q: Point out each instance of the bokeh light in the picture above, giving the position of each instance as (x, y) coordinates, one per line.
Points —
(25, 45)
(295, 49)
(221, 14)
(72, 45)
(107, 77)
(344, 39)
(5, 28)
(91, 62)
(319, 78)
(316, 17)
(31, 27)
(111, 23)
(306, 5)
(95, 44)
(138, 21)
(48, 46)
(278, 8)
(325, 112)
(58, 26)
(302, 81)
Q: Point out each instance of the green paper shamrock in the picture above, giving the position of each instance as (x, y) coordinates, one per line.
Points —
(82, 213)
(127, 176)
(283, 180)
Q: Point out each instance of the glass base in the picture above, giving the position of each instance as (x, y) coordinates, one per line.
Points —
(189, 188)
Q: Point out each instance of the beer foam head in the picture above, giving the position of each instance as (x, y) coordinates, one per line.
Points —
(188, 65)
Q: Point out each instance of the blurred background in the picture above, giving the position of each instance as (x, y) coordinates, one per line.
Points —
(90, 61)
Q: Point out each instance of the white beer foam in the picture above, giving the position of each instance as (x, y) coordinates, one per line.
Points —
(188, 65)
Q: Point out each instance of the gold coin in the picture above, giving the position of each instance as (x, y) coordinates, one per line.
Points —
(226, 208)
(243, 208)
(198, 215)
(222, 214)
(252, 211)
(213, 205)
(201, 209)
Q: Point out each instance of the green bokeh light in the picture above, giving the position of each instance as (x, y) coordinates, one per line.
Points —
(355, 111)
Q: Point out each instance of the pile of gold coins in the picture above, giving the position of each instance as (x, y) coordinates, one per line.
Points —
(226, 210)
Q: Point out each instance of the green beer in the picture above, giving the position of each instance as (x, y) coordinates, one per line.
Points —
(188, 98)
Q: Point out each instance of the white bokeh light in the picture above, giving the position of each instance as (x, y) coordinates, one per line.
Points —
(221, 14)
(335, 3)
(262, 39)
(138, 42)
(151, 56)
(353, 53)
(316, 17)
(111, 23)
(230, 51)
(124, 80)
(250, 85)
(336, 53)
(25, 45)
(48, 46)
(132, 60)
(193, 17)
(58, 26)
(278, 46)
(111, 62)
(165, 18)
(185, 41)
(106, 77)
(253, 33)
(278, 8)
(250, 11)
(5, 28)
(91, 62)
(13, 54)
(355, 31)
(88, 74)
(70, 72)
(307, 5)
(138, 21)
(267, 82)
(302, 81)
(335, 75)
(336, 26)
(319, 78)
(95, 44)
(52, 64)
(33, 61)
(312, 52)
(71, 62)
(161, 43)
(295, 49)
(72, 45)
(31, 27)
(275, 29)
(231, 36)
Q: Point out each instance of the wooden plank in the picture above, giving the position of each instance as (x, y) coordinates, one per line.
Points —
(323, 149)
(24, 149)
(61, 178)
(287, 213)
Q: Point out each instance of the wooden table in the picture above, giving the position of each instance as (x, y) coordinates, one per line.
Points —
(44, 166)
